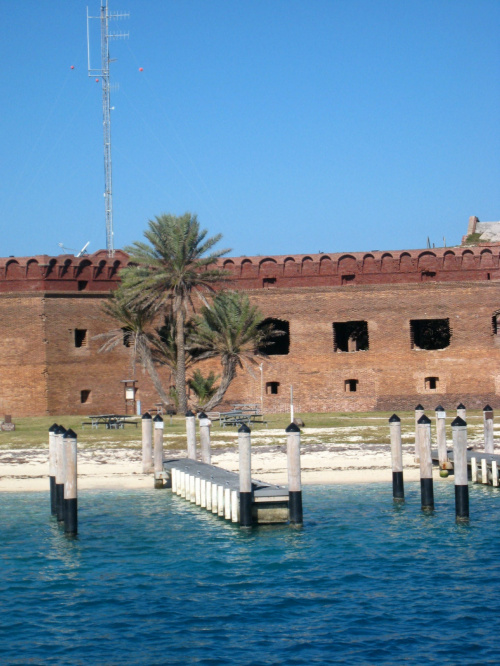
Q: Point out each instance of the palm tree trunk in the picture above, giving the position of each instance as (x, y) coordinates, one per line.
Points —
(147, 361)
(180, 375)
(228, 374)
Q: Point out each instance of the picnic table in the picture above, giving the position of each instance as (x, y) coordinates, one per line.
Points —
(111, 421)
(238, 417)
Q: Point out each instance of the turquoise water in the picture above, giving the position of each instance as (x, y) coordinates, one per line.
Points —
(154, 580)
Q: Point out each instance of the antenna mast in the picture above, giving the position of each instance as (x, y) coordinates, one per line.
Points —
(103, 73)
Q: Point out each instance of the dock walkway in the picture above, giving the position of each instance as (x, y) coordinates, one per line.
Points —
(478, 471)
(217, 491)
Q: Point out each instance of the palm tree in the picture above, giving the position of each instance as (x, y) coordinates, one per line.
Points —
(232, 329)
(165, 272)
(203, 387)
(132, 333)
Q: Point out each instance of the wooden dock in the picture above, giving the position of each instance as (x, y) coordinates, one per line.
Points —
(481, 467)
(217, 491)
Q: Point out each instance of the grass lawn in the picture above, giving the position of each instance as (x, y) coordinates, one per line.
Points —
(372, 426)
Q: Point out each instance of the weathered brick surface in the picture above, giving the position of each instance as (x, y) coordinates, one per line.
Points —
(43, 300)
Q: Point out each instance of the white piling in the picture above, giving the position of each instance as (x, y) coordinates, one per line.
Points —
(489, 446)
(220, 500)
(484, 471)
(424, 443)
(203, 494)
(459, 431)
(191, 434)
(441, 437)
(419, 412)
(215, 498)
(208, 494)
(197, 490)
(158, 451)
(182, 485)
(205, 424)
(147, 443)
(227, 503)
(70, 483)
(294, 480)
(234, 506)
(494, 473)
(473, 468)
(245, 460)
(192, 489)
(398, 491)
(461, 411)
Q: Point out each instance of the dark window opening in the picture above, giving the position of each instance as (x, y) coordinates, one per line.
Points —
(350, 336)
(430, 333)
(272, 388)
(348, 279)
(80, 337)
(428, 275)
(277, 342)
(84, 396)
(351, 385)
(488, 276)
(431, 383)
(495, 323)
(82, 285)
(269, 283)
(127, 337)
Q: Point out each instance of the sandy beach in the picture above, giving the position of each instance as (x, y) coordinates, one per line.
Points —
(327, 457)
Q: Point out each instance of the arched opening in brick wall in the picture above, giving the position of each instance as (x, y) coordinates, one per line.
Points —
(276, 345)
(272, 388)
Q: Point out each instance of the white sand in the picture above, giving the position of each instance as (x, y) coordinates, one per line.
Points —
(349, 462)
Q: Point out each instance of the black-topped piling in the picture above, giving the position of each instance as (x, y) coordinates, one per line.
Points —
(58, 436)
(294, 481)
(52, 468)
(398, 490)
(424, 440)
(441, 437)
(191, 434)
(205, 423)
(147, 443)
(461, 411)
(244, 447)
(459, 430)
(419, 411)
(158, 451)
(70, 483)
(489, 446)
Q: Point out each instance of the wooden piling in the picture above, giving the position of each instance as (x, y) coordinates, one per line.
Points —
(489, 446)
(191, 434)
(398, 490)
(494, 473)
(158, 451)
(234, 506)
(244, 447)
(59, 472)
(441, 437)
(203, 494)
(294, 481)
(424, 442)
(220, 501)
(70, 509)
(215, 498)
(183, 485)
(461, 411)
(205, 424)
(197, 490)
(192, 489)
(147, 443)
(419, 412)
(174, 480)
(459, 433)
(227, 503)
(52, 468)
(473, 469)
(484, 471)
(208, 493)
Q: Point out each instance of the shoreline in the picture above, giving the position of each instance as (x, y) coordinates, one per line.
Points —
(121, 469)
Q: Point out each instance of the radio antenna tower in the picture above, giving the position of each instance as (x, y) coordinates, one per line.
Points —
(103, 73)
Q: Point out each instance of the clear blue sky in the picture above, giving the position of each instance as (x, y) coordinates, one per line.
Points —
(289, 126)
